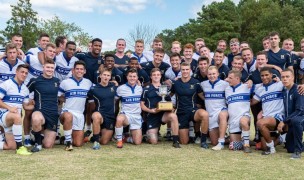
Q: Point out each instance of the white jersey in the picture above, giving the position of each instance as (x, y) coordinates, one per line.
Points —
(13, 95)
(130, 98)
(271, 97)
(250, 67)
(196, 56)
(301, 70)
(75, 93)
(214, 95)
(63, 66)
(35, 69)
(238, 100)
(8, 71)
(141, 59)
(34, 51)
(149, 56)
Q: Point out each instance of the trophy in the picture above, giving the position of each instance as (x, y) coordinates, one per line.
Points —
(164, 105)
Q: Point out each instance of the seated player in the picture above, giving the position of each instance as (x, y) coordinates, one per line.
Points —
(45, 115)
(270, 94)
(186, 90)
(103, 117)
(73, 91)
(155, 118)
(130, 113)
(14, 94)
(214, 93)
(238, 100)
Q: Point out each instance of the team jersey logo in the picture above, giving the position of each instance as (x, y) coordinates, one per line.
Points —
(56, 85)
(282, 56)
(127, 62)
(191, 86)
(99, 61)
(112, 90)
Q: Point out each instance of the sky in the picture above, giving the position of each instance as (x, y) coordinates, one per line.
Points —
(113, 19)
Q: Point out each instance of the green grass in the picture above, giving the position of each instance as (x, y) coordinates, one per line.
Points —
(146, 161)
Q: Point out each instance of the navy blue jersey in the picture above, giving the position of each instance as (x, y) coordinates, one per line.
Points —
(45, 93)
(92, 64)
(244, 77)
(116, 75)
(293, 103)
(197, 75)
(124, 60)
(230, 58)
(104, 98)
(223, 71)
(149, 66)
(186, 94)
(255, 76)
(150, 96)
(282, 58)
(193, 64)
(143, 77)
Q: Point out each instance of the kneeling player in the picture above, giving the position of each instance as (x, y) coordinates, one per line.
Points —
(74, 91)
(130, 113)
(12, 94)
(155, 118)
(45, 115)
(186, 90)
(214, 93)
(104, 115)
(238, 100)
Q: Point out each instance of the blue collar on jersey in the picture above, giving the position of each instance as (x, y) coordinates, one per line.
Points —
(40, 48)
(132, 88)
(249, 65)
(197, 53)
(212, 84)
(9, 65)
(267, 85)
(66, 58)
(19, 87)
(175, 72)
(78, 82)
(138, 57)
(236, 86)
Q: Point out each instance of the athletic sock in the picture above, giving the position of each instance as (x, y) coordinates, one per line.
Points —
(168, 130)
(38, 137)
(118, 132)
(221, 141)
(68, 135)
(89, 128)
(175, 138)
(95, 137)
(203, 137)
(17, 132)
(27, 136)
(246, 135)
(271, 144)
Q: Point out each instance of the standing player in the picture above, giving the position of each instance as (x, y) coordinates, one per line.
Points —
(199, 42)
(186, 90)
(176, 47)
(43, 40)
(45, 115)
(202, 69)
(218, 62)
(238, 100)
(65, 61)
(188, 53)
(235, 50)
(103, 117)
(138, 53)
(250, 62)
(9, 64)
(173, 72)
(60, 43)
(74, 91)
(157, 43)
(270, 94)
(13, 93)
(238, 64)
(18, 41)
(155, 118)
(214, 93)
(121, 60)
(130, 113)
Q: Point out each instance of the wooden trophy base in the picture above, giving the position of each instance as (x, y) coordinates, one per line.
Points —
(165, 106)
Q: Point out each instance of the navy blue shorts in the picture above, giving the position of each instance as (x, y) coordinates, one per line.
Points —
(154, 120)
(185, 117)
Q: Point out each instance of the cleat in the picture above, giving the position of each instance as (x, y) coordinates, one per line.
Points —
(197, 140)
(191, 140)
(269, 151)
(119, 144)
(86, 136)
(23, 151)
(247, 148)
(96, 145)
(296, 155)
(69, 146)
(218, 147)
(28, 142)
(62, 140)
(36, 148)
(168, 136)
(176, 145)
(204, 145)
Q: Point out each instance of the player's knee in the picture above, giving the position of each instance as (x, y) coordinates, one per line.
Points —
(77, 143)
(120, 119)
(152, 138)
(136, 141)
(260, 124)
(223, 116)
(48, 145)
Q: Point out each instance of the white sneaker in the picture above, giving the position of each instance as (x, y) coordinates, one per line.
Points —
(218, 147)
(197, 140)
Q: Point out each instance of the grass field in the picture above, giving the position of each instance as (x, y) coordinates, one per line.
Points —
(146, 161)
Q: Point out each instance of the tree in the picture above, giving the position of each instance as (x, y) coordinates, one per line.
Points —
(23, 21)
(55, 27)
(142, 31)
